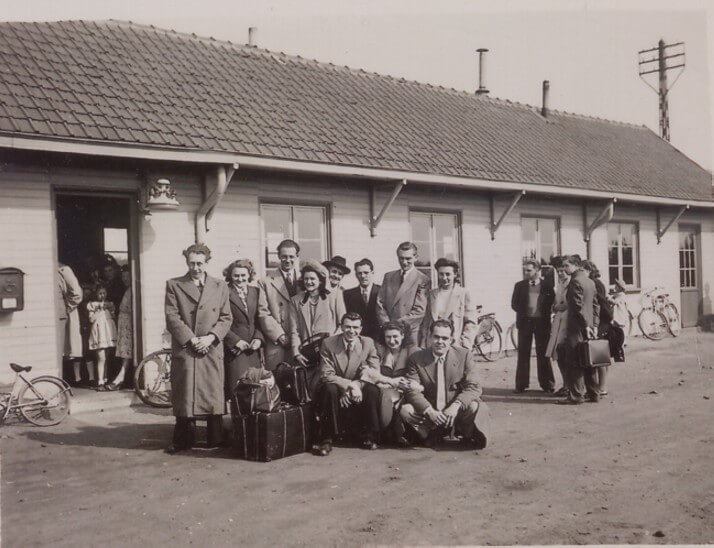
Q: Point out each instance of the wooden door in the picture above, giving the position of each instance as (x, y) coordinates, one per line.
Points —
(690, 274)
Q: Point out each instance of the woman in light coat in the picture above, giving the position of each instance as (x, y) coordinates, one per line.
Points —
(559, 324)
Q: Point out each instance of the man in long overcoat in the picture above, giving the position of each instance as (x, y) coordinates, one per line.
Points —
(198, 316)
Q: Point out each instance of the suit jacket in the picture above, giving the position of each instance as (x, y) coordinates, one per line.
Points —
(197, 381)
(70, 297)
(519, 300)
(460, 374)
(583, 308)
(328, 314)
(355, 303)
(255, 322)
(336, 368)
(278, 298)
(404, 302)
(460, 309)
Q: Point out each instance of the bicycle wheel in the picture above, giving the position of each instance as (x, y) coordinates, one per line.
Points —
(44, 402)
(514, 335)
(152, 379)
(673, 323)
(489, 342)
(652, 323)
(630, 323)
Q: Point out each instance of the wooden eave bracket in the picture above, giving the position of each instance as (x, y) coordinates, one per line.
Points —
(514, 202)
(605, 216)
(374, 221)
(662, 231)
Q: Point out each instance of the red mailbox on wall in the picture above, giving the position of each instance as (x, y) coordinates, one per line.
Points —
(12, 293)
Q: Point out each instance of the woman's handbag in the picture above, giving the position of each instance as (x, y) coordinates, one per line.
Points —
(594, 353)
(310, 348)
(256, 392)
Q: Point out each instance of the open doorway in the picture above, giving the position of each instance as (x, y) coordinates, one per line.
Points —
(96, 235)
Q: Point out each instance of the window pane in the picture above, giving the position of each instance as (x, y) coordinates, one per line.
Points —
(309, 230)
(446, 237)
(612, 257)
(421, 237)
(276, 223)
(529, 248)
(627, 256)
(613, 274)
(628, 275)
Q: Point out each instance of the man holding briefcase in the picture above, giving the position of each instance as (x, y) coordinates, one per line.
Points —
(583, 319)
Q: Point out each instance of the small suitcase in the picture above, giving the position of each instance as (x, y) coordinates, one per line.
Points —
(271, 436)
(293, 383)
(594, 353)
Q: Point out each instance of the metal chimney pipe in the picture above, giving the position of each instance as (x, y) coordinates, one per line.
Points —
(546, 93)
(482, 90)
(253, 36)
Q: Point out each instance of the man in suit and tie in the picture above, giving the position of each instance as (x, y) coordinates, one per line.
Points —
(450, 301)
(279, 287)
(583, 320)
(198, 316)
(403, 294)
(342, 395)
(363, 298)
(451, 399)
(532, 301)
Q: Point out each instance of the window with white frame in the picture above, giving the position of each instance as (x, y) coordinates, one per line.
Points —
(623, 253)
(305, 224)
(436, 235)
(540, 239)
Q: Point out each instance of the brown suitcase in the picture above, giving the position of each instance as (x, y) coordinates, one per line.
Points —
(594, 353)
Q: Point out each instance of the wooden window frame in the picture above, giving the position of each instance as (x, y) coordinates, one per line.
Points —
(555, 218)
(459, 232)
(637, 277)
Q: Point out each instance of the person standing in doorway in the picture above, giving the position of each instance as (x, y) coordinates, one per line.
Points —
(280, 286)
(403, 295)
(102, 331)
(125, 335)
(532, 300)
(198, 316)
(363, 298)
(70, 296)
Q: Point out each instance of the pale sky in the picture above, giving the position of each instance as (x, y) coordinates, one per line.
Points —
(586, 48)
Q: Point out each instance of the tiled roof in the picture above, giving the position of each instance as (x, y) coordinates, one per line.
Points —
(126, 83)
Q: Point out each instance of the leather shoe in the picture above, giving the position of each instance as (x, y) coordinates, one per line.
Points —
(519, 390)
(173, 449)
(323, 449)
(569, 402)
(369, 445)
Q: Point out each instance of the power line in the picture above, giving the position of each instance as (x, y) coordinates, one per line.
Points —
(665, 60)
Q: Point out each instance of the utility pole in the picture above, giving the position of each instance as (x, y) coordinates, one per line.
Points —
(664, 62)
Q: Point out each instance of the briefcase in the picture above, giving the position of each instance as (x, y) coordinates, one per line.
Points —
(271, 436)
(594, 353)
(310, 348)
(293, 383)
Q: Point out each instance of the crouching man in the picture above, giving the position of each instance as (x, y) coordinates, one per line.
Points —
(452, 394)
(345, 402)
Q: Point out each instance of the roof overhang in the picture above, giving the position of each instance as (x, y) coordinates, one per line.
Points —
(121, 150)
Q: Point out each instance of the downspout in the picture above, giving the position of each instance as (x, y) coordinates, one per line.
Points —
(205, 212)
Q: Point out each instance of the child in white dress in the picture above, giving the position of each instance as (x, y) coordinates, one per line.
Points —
(102, 331)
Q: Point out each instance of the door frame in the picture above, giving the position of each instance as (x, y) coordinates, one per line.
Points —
(697, 229)
(134, 239)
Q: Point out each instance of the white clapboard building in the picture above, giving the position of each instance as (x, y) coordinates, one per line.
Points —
(259, 146)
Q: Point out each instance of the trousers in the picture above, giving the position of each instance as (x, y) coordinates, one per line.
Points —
(358, 418)
(527, 330)
(472, 422)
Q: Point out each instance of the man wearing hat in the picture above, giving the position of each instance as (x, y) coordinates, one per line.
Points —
(337, 269)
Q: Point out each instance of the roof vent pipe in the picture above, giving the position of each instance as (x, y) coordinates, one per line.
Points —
(253, 36)
(482, 90)
(546, 93)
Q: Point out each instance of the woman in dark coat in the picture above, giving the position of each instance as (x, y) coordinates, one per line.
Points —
(250, 315)
(605, 317)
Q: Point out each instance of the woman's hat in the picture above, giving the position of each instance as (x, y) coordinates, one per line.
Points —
(619, 283)
(340, 263)
(314, 265)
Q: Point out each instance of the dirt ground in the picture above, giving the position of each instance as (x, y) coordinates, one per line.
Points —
(636, 468)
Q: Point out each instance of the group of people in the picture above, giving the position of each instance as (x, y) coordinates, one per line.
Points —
(394, 363)
(96, 314)
(561, 312)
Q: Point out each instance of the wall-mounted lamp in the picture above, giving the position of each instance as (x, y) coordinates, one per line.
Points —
(158, 195)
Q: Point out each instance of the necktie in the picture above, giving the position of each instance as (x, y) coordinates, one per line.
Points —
(365, 296)
(349, 351)
(402, 275)
(290, 278)
(440, 384)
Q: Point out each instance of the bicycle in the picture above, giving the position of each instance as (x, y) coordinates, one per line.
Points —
(43, 401)
(658, 315)
(489, 336)
(152, 379)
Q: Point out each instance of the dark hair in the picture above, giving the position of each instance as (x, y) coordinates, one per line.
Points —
(556, 261)
(322, 290)
(125, 268)
(406, 246)
(363, 262)
(590, 266)
(572, 259)
(289, 243)
(352, 316)
(442, 323)
(239, 263)
(197, 248)
(96, 289)
(443, 261)
(394, 326)
(531, 262)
